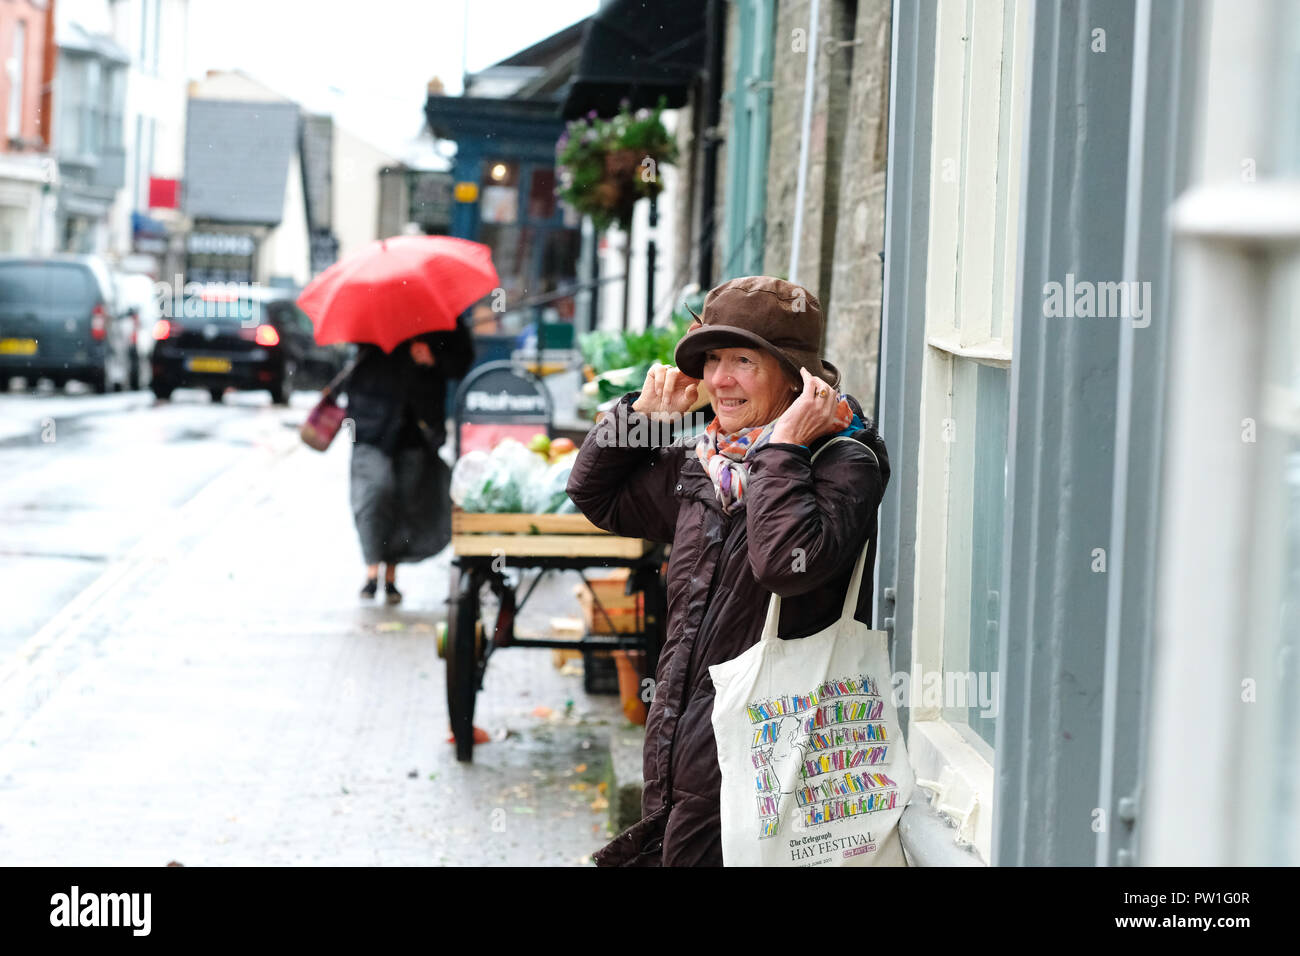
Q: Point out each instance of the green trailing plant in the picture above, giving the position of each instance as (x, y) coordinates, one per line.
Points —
(620, 360)
(604, 351)
(606, 165)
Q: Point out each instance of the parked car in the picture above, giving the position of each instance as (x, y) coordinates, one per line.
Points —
(258, 339)
(137, 299)
(59, 320)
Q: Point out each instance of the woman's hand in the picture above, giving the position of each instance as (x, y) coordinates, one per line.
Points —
(812, 415)
(421, 353)
(668, 392)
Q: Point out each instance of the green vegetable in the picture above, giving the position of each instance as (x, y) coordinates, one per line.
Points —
(604, 350)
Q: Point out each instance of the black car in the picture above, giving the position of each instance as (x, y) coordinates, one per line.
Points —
(58, 320)
(253, 340)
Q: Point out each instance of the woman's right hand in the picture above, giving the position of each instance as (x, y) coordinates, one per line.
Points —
(421, 353)
(667, 392)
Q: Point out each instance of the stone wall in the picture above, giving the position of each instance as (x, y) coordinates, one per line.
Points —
(684, 265)
(724, 128)
(856, 268)
(842, 229)
(844, 199)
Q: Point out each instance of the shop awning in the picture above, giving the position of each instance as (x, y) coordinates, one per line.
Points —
(638, 50)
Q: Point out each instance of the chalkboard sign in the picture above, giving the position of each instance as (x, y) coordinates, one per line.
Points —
(500, 400)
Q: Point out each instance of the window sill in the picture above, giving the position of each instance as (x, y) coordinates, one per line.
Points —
(957, 781)
(928, 838)
(988, 353)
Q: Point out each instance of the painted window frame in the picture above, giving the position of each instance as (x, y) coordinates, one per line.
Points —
(981, 60)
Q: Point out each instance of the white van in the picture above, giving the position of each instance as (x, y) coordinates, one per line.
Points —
(137, 300)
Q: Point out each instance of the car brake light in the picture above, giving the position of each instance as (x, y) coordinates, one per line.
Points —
(162, 329)
(267, 335)
(98, 323)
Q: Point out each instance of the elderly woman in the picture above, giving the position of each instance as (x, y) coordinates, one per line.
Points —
(748, 514)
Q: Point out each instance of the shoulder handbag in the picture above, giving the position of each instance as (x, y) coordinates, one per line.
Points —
(324, 420)
(814, 767)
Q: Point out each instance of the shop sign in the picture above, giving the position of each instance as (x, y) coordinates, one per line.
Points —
(220, 244)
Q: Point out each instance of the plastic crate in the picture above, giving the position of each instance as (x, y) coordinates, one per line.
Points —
(599, 673)
(619, 613)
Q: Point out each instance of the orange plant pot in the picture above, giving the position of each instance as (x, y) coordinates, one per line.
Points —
(629, 664)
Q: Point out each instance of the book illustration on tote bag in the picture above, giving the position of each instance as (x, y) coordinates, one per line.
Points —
(814, 768)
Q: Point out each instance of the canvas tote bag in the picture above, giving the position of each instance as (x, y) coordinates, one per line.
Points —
(814, 770)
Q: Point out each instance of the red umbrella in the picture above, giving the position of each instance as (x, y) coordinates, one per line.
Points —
(396, 288)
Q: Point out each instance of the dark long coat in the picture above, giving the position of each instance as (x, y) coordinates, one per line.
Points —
(797, 533)
(384, 382)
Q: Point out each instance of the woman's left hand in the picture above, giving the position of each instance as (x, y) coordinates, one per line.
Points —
(812, 415)
(421, 353)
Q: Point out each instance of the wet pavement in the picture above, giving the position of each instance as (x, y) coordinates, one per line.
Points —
(192, 676)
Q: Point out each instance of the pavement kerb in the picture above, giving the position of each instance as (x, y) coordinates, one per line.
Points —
(626, 743)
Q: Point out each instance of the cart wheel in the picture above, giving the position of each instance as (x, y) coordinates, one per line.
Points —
(463, 648)
(442, 640)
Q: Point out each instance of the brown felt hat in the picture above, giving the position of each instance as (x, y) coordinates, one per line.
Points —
(760, 312)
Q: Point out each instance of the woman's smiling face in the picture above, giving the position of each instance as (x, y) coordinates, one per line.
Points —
(748, 387)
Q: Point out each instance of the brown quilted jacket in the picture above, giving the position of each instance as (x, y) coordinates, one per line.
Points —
(797, 533)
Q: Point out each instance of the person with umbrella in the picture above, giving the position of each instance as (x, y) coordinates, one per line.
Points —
(399, 484)
(400, 299)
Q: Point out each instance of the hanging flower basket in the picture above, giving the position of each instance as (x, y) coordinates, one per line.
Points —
(605, 166)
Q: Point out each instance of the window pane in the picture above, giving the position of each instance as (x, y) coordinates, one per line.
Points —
(91, 124)
(977, 461)
(17, 69)
(52, 285)
(541, 196)
(71, 82)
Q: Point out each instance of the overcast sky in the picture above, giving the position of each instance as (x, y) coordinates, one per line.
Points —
(367, 63)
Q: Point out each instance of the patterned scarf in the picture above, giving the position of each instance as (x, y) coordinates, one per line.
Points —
(726, 456)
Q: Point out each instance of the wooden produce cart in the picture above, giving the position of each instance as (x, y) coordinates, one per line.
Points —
(487, 547)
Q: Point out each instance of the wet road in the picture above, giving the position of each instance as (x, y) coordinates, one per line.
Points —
(187, 674)
(84, 477)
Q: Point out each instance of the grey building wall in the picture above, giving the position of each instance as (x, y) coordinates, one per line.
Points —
(221, 183)
(792, 45)
(317, 170)
(789, 68)
(687, 231)
(855, 266)
(844, 195)
(844, 200)
(721, 244)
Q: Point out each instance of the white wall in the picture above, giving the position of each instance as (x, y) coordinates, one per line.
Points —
(355, 189)
(95, 16)
(27, 212)
(157, 94)
(286, 250)
(162, 94)
(611, 262)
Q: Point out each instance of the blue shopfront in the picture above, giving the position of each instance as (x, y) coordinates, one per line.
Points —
(504, 197)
